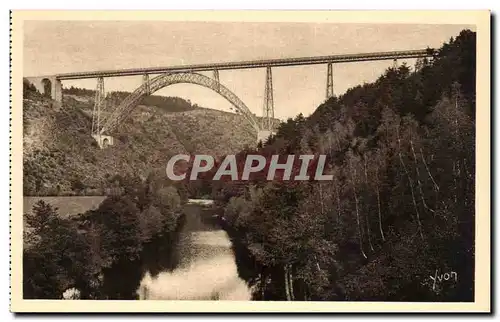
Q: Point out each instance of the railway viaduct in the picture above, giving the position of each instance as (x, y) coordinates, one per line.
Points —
(155, 78)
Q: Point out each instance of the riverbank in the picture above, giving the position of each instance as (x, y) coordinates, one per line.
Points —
(192, 261)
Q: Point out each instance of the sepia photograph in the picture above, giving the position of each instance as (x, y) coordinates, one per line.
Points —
(250, 157)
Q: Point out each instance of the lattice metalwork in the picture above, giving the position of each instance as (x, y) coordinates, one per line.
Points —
(216, 78)
(99, 105)
(329, 81)
(268, 106)
(125, 108)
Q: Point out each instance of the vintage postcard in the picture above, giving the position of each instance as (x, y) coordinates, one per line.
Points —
(250, 161)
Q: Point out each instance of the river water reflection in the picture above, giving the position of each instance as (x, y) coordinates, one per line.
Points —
(206, 269)
(200, 265)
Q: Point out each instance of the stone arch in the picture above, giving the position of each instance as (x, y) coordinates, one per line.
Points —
(164, 80)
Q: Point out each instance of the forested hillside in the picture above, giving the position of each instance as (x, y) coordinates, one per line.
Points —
(399, 212)
(61, 158)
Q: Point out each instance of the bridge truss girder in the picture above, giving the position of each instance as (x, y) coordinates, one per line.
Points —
(282, 62)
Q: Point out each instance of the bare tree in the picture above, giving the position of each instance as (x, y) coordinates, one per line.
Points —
(411, 184)
(418, 178)
(367, 213)
(353, 183)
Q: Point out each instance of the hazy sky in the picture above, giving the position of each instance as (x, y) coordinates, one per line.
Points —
(52, 47)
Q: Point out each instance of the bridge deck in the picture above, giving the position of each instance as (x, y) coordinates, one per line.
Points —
(252, 64)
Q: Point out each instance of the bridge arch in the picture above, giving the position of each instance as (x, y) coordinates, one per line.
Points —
(130, 102)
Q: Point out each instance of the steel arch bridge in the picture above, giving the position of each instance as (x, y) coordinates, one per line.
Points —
(103, 123)
(148, 87)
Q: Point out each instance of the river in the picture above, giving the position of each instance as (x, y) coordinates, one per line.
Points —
(204, 264)
(206, 269)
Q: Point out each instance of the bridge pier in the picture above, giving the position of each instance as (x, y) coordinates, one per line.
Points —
(56, 90)
(99, 102)
(103, 140)
(268, 107)
(329, 81)
(49, 86)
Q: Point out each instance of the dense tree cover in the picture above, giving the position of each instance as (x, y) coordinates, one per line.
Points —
(400, 208)
(29, 90)
(60, 157)
(96, 251)
(79, 91)
(166, 103)
(51, 262)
